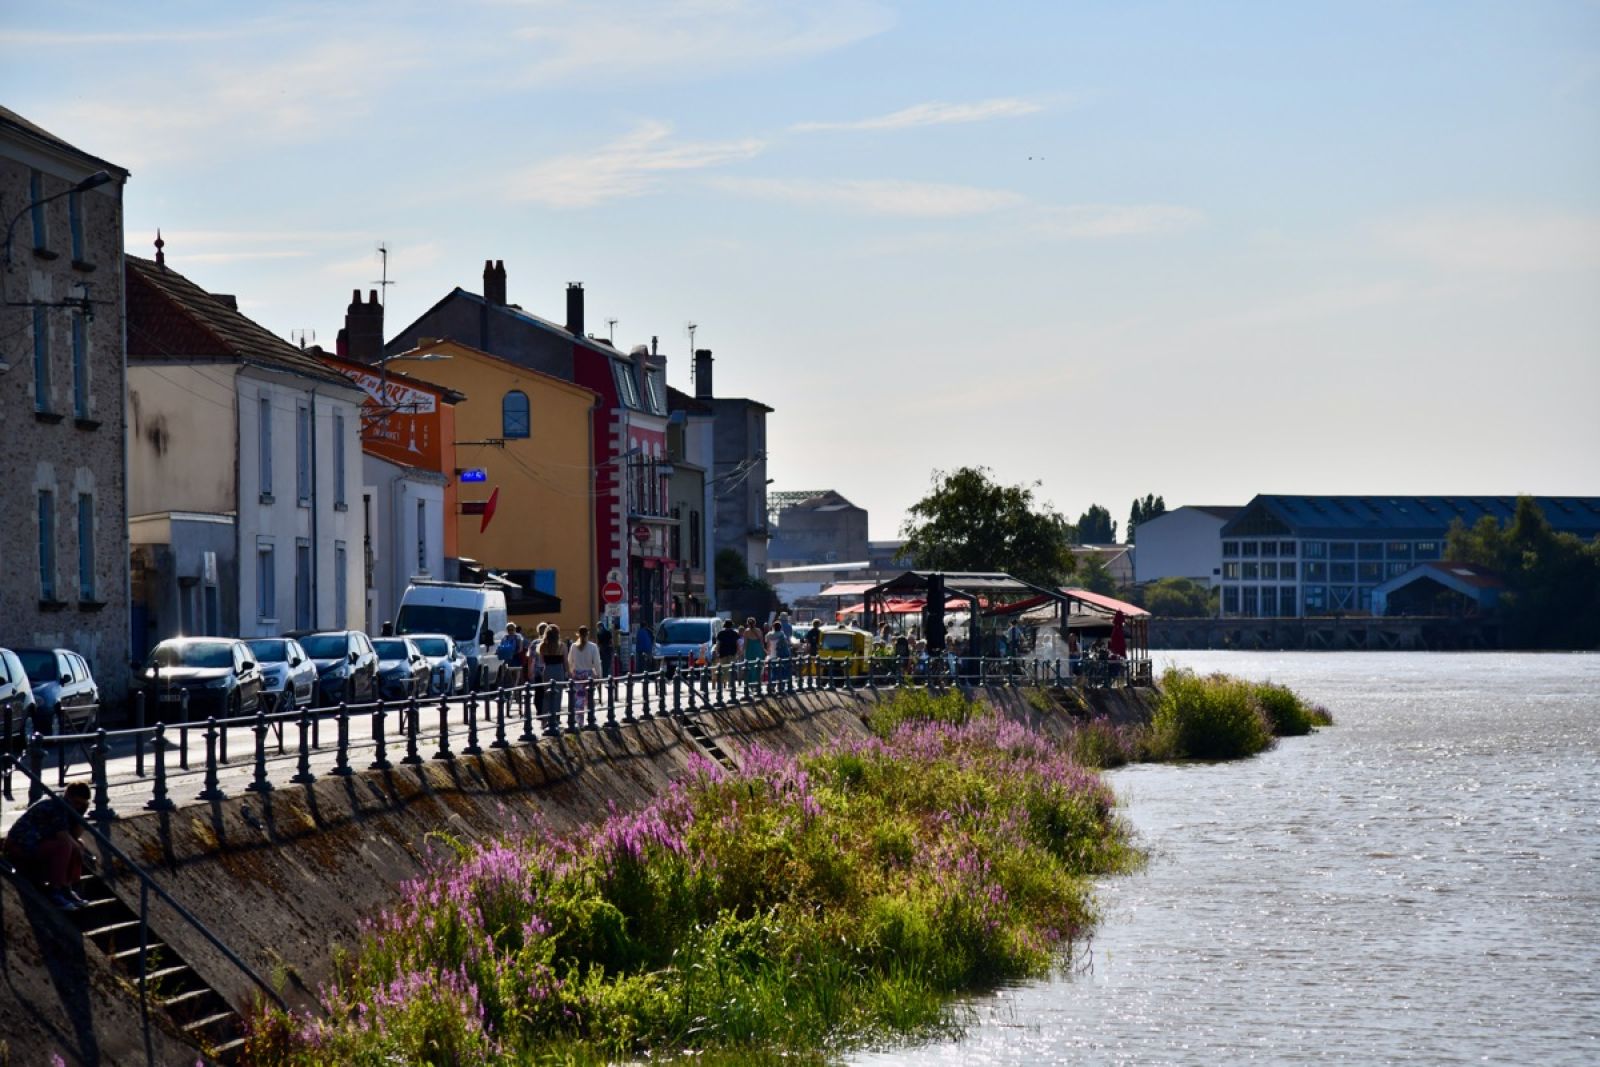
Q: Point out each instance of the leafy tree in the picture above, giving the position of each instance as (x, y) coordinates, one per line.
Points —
(969, 522)
(1095, 577)
(1096, 527)
(1552, 594)
(1178, 598)
(1142, 511)
(732, 573)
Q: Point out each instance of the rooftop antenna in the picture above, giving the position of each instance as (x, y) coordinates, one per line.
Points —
(691, 327)
(611, 330)
(384, 282)
(300, 337)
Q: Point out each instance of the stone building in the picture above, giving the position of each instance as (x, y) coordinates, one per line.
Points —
(63, 498)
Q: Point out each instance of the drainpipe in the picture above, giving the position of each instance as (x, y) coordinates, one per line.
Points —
(316, 542)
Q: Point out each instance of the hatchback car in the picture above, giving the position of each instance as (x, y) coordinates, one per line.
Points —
(402, 668)
(288, 677)
(220, 675)
(68, 699)
(447, 663)
(16, 696)
(686, 642)
(347, 666)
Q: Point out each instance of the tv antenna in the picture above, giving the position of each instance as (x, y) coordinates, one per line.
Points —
(301, 337)
(691, 327)
(384, 282)
(611, 330)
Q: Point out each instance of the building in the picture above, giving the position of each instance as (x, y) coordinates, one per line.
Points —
(739, 470)
(816, 527)
(244, 471)
(63, 495)
(1116, 559)
(1439, 588)
(1294, 556)
(1183, 543)
(523, 437)
(690, 425)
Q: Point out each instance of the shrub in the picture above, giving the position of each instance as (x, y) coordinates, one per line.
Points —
(1215, 717)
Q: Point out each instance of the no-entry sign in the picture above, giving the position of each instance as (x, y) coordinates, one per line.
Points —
(611, 593)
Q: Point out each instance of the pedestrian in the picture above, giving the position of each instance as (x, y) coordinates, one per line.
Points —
(781, 652)
(814, 638)
(552, 667)
(727, 647)
(44, 845)
(788, 627)
(603, 637)
(583, 666)
(644, 647)
(754, 645)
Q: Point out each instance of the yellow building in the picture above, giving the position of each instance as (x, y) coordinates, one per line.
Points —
(530, 435)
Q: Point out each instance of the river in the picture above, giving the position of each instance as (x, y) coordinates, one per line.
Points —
(1419, 883)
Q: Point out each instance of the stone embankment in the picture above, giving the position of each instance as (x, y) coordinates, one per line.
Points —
(286, 878)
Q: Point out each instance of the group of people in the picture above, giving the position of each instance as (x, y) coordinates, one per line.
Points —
(764, 650)
(544, 656)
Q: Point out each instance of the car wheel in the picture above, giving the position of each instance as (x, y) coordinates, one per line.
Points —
(235, 705)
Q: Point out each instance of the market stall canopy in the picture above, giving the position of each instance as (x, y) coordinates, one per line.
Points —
(846, 589)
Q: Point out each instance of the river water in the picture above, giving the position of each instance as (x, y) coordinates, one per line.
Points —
(1419, 883)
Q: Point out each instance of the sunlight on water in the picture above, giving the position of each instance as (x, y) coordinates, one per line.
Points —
(1419, 883)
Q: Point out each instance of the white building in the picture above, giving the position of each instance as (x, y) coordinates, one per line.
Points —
(1185, 542)
(403, 510)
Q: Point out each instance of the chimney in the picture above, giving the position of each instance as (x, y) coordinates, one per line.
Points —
(494, 282)
(575, 308)
(361, 340)
(227, 300)
(702, 374)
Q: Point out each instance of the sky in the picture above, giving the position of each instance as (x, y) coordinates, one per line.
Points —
(1202, 250)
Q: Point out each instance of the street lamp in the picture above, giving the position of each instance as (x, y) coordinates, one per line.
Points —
(98, 178)
(383, 408)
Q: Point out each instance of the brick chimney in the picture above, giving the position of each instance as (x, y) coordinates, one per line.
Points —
(494, 282)
(361, 340)
(702, 374)
(575, 308)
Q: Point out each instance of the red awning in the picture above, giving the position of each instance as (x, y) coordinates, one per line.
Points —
(1106, 603)
(847, 589)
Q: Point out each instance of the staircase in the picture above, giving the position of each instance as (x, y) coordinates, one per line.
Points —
(704, 742)
(197, 1010)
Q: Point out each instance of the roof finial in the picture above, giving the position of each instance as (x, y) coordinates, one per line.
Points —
(161, 257)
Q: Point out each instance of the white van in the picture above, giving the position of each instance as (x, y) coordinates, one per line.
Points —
(475, 615)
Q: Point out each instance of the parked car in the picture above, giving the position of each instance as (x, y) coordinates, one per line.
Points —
(288, 677)
(67, 699)
(447, 664)
(16, 695)
(347, 666)
(402, 668)
(686, 642)
(475, 615)
(220, 675)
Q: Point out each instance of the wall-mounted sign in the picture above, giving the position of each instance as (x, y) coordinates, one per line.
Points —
(641, 533)
(475, 474)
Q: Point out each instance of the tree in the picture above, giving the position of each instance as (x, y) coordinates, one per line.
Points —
(1096, 527)
(1178, 598)
(969, 522)
(1552, 580)
(1143, 511)
(1095, 577)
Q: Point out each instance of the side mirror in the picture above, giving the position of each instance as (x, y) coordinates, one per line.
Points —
(248, 666)
(355, 657)
(66, 679)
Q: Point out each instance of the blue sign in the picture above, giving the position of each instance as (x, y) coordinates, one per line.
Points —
(475, 474)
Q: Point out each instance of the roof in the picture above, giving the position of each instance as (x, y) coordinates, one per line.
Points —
(1400, 516)
(678, 400)
(847, 589)
(521, 369)
(16, 123)
(170, 317)
(350, 368)
(1221, 511)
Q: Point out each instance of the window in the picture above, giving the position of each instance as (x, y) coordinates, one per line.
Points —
(1286, 548)
(302, 454)
(627, 388)
(41, 236)
(80, 369)
(1394, 568)
(338, 462)
(515, 419)
(1342, 572)
(1316, 550)
(266, 582)
(341, 585)
(1230, 548)
(1286, 602)
(1370, 572)
(302, 583)
(1249, 548)
(1341, 598)
(1370, 550)
(422, 537)
(75, 216)
(1341, 550)
(41, 360)
(1316, 572)
(85, 547)
(1316, 599)
(1427, 550)
(265, 436)
(1230, 600)
(1252, 571)
(1230, 571)
(47, 545)
(1269, 570)
(1286, 571)
(1249, 602)
(1399, 550)
(694, 540)
(1269, 548)
(1269, 602)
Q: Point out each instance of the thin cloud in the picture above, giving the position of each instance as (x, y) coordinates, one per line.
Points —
(632, 165)
(877, 196)
(1091, 221)
(1512, 242)
(931, 114)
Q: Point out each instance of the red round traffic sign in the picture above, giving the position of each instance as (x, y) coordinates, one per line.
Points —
(641, 533)
(611, 592)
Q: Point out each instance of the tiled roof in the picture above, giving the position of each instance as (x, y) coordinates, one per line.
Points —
(1405, 516)
(170, 317)
(678, 400)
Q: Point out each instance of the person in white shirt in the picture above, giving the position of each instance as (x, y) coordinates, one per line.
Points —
(583, 666)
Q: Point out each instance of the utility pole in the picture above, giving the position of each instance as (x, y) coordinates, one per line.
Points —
(384, 282)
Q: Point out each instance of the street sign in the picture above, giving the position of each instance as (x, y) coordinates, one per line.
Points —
(475, 474)
(611, 593)
(641, 533)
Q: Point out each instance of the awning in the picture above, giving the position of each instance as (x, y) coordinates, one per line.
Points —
(1108, 604)
(847, 589)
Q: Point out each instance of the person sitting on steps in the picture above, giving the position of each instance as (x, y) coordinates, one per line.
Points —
(44, 845)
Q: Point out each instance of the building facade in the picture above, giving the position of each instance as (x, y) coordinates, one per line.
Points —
(63, 494)
(1185, 542)
(739, 470)
(816, 527)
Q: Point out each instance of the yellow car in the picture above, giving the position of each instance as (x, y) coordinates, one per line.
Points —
(844, 652)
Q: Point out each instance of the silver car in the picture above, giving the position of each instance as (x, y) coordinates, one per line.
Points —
(288, 677)
(447, 663)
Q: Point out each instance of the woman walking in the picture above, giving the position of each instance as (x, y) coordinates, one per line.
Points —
(552, 664)
(583, 666)
(755, 650)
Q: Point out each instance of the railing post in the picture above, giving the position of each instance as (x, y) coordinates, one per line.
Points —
(677, 695)
(525, 698)
(380, 755)
(611, 707)
(138, 733)
(35, 767)
(473, 748)
(645, 684)
(97, 770)
(183, 729)
(341, 759)
(303, 775)
(222, 739)
(500, 701)
(627, 707)
(159, 800)
(588, 690)
(413, 725)
(212, 790)
(260, 784)
(444, 731)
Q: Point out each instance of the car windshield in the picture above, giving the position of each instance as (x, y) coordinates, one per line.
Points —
(432, 646)
(324, 646)
(459, 623)
(205, 654)
(390, 649)
(683, 632)
(270, 651)
(839, 642)
(40, 666)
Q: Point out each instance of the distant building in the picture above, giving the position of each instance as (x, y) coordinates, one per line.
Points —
(889, 557)
(739, 472)
(817, 527)
(1117, 560)
(63, 497)
(1439, 588)
(690, 428)
(1183, 543)
(1292, 556)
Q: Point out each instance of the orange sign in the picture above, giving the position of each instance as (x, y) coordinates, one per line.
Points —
(399, 421)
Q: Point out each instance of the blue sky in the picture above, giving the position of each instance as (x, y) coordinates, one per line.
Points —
(1201, 250)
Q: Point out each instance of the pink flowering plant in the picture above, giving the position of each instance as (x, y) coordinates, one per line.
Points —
(796, 906)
